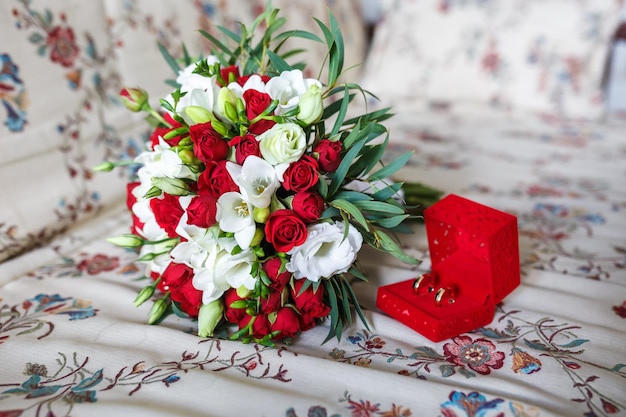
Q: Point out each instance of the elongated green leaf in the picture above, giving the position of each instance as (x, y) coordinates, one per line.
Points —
(329, 213)
(338, 39)
(171, 61)
(391, 222)
(379, 206)
(345, 300)
(342, 112)
(392, 167)
(342, 170)
(298, 34)
(334, 107)
(223, 48)
(387, 192)
(352, 196)
(279, 64)
(355, 303)
(388, 244)
(334, 309)
(232, 35)
(378, 116)
(351, 209)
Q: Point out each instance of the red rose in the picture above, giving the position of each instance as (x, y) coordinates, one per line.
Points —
(310, 304)
(244, 147)
(130, 201)
(301, 175)
(272, 269)
(287, 323)
(256, 103)
(215, 180)
(284, 230)
(229, 74)
(309, 205)
(272, 302)
(329, 154)
(178, 278)
(162, 131)
(201, 211)
(242, 80)
(63, 47)
(167, 212)
(260, 327)
(130, 197)
(232, 315)
(208, 144)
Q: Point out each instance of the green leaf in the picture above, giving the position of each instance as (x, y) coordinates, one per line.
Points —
(334, 107)
(342, 170)
(279, 64)
(379, 206)
(387, 192)
(378, 116)
(171, 61)
(342, 112)
(392, 247)
(351, 209)
(353, 196)
(355, 302)
(226, 50)
(232, 35)
(358, 274)
(392, 167)
(298, 34)
(334, 310)
(391, 222)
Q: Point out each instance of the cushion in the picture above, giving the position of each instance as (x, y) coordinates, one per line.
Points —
(543, 56)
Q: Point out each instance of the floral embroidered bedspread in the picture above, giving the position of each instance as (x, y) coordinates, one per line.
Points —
(71, 342)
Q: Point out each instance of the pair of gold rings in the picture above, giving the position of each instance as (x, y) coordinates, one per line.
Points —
(427, 284)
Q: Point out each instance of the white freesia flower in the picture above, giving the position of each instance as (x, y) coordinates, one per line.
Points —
(254, 82)
(257, 179)
(288, 88)
(282, 143)
(201, 91)
(216, 269)
(325, 251)
(234, 215)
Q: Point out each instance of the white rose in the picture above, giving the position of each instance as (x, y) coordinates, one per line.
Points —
(283, 143)
(288, 88)
(325, 252)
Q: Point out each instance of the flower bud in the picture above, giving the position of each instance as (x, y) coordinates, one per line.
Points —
(187, 156)
(242, 292)
(226, 105)
(159, 308)
(198, 114)
(311, 106)
(209, 317)
(134, 99)
(258, 237)
(260, 215)
(172, 186)
(144, 295)
(104, 167)
(126, 241)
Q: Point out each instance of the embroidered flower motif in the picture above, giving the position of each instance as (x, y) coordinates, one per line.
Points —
(99, 263)
(524, 363)
(375, 343)
(63, 47)
(479, 355)
(474, 403)
(620, 310)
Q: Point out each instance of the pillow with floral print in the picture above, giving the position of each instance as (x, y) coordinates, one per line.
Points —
(537, 55)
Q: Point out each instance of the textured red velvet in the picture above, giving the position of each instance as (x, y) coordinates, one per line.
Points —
(473, 248)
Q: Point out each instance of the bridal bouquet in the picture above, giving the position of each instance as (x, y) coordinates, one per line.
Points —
(256, 191)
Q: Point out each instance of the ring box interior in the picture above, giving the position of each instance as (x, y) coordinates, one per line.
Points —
(474, 249)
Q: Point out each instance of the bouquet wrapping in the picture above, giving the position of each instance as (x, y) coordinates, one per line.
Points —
(256, 191)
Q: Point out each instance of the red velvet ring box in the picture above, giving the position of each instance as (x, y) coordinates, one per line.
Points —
(474, 249)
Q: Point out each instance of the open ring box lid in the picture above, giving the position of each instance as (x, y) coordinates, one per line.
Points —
(473, 248)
